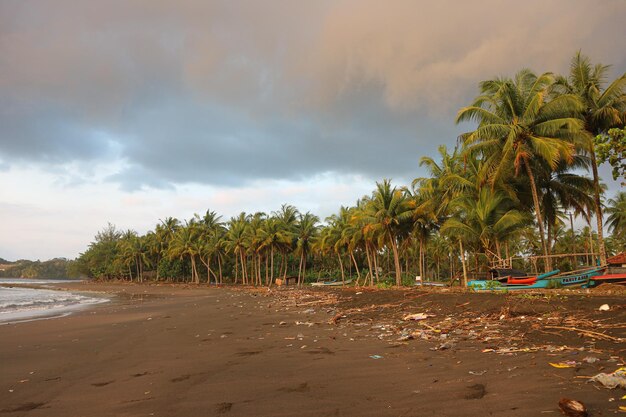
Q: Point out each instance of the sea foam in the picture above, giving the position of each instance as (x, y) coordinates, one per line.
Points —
(20, 304)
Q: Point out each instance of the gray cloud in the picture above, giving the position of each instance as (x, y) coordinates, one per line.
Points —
(226, 92)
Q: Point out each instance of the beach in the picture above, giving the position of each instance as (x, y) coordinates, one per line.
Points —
(184, 350)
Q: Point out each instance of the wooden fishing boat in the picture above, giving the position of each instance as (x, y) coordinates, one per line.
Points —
(488, 285)
(575, 278)
(607, 279)
(521, 280)
(614, 274)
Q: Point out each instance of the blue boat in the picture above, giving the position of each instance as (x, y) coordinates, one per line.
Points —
(547, 280)
(580, 278)
(487, 285)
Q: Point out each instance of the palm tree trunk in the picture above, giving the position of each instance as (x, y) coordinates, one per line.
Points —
(597, 204)
(506, 248)
(375, 257)
(244, 278)
(259, 277)
(236, 270)
(591, 244)
(533, 188)
(358, 273)
(219, 265)
(300, 267)
(193, 269)
(463, 263)
(369, 264)
(343, 277)
(421, 267)
(272, 268)
(396, 261)
(303, 267)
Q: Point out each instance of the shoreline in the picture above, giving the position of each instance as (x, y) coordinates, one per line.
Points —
(175, 350)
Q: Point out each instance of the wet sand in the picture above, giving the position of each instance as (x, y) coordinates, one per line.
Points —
(197, 351)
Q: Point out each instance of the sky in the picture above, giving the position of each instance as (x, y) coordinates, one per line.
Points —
(130, 111)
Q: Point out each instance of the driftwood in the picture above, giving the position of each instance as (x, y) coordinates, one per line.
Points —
(589, 333)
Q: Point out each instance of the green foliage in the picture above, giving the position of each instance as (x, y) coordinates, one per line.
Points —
(524, 156)
(172, 269)
(383, 285)
(54, 268)
(611, 148)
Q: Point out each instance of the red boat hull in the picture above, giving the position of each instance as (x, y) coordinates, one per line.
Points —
(521, 280)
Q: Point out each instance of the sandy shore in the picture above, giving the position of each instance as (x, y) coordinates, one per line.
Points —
(184, 351)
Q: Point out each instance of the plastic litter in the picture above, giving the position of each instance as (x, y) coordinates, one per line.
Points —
(590, 359)
(613, 380)
(478, 373)
(560, 365)
(604, 307)
(376, 357)
(418, 316)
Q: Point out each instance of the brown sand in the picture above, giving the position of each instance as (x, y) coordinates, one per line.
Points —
(180, 351)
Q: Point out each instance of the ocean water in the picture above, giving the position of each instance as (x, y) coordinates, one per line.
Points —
(19, 304)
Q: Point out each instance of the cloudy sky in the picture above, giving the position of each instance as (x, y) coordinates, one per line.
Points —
(128, 111)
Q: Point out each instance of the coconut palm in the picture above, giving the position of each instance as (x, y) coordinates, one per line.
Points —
(273, 237)
(237, 243)
(306, 232)
(184, 244)
(486, 219)
(288, 218)
(517, 124)
(385, 214)
(617, 215)
(334, 239)
(603, 109)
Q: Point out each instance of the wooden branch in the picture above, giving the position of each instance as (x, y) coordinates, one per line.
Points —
(586, 333)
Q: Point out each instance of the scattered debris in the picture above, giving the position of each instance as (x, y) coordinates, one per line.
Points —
(418, 316)
(590, 359)
(604, 307)
(478, 373)
(376, 357)
(572, 408)
(443, 346)
(405, 336)
(560, 365)
(612, 380)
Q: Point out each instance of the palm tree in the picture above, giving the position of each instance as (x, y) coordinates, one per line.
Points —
(209, 226)
(617, 215)
(273, 237)
(288, 218)
(517, 124)
(184, 243)
(333, 237)
(386, 212)
(484, 219)
(236, 242)
(306, 232)
(563, 189)
(603, 109)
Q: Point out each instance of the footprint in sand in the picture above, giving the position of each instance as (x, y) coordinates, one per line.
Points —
(304, 387)
(475, 392)
(24, 407)
(222, 408)
(102, 384)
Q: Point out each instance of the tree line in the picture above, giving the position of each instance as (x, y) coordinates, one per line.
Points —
(507, 191)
